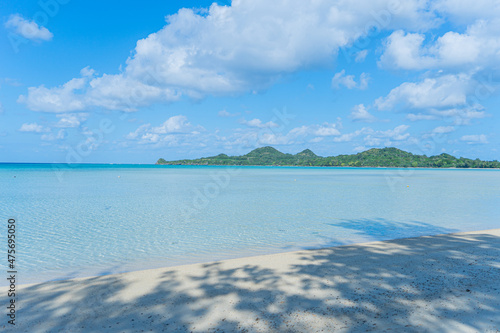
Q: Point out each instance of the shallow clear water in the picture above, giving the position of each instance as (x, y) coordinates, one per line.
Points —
(98, 219)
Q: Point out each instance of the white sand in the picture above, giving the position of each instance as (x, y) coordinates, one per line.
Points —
(446, 283)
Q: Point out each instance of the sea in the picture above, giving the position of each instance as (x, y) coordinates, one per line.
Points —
(78, 220)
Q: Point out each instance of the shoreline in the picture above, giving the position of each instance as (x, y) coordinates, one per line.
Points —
(324, 166)
(70, 165)
(429, 283)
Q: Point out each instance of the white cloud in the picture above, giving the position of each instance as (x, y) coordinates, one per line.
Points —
(323, 130)
(175, 124)
(402, 50)
(71, 119)
(397, 134)
(350, 136)
(476, 49)
(87, 72)
(420, 116)
(273, 139)
(316, 139)
(360, 113)
(28, 29)
(232, 49)
(166, 133)
(33, 127)
(363, 81)
(326, 130)
(258, 123)
(461, 116)
(442, 91)
(376, 138)
(475, 139)
(253, 137)
(57, 99)
(61, 134)
(361, 56)
(121, 92)
(407, 51)
(439, 131)
(113, 92)
(358, 149)
(224, 113)
(453, 49)
(12, 82)
(443, 129)
(462, 12)
(275, 136)
(340, 79)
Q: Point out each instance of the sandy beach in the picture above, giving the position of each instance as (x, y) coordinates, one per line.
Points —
(444, 283)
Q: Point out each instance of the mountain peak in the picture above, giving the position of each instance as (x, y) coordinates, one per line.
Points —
(385, 151)
(307, 153)
(269, 151)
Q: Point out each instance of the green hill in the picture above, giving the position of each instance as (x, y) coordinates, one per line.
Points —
(375, 157)
(307, 153)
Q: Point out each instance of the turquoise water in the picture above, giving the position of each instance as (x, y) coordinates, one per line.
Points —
(98, 219)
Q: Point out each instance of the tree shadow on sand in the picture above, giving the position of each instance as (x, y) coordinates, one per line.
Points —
(379, 229)
(427, 284)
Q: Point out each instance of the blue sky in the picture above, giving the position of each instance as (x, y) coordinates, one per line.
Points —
(129, 82)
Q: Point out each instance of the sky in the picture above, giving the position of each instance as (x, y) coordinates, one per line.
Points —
(130, 82)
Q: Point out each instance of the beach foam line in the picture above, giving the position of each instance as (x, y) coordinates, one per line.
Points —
(443, 283)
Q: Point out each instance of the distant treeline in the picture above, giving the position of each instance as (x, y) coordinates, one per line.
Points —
(386, 157)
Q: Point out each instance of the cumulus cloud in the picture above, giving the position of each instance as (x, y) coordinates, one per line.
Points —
(71, 119)
(443, 91)
(360, 113)
(361, 56)
(224, 113)
(33, 127)
(273, 139)
(438, 131)
(348, 81)
(443, 129)
(254, 137)
(269, 135)
(113, 92)
(475, 49)
(347, 137)
(323, 130)
(407, 51)
(166, 132)
(402, 50)
(61, 134)
(458, 116)
(232, 49)
(57, 99)
(461, 116)
(326, 130)
(28, 29)
(462, 12)
(475, 139)
(420, 116)
(259, 124)
(398, 133)
(376, 138)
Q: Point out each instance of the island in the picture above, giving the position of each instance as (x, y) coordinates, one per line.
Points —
(375, 157)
